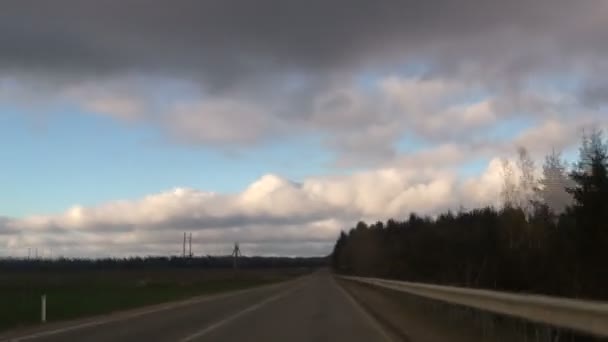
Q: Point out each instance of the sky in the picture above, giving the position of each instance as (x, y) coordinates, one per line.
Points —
(277, 124)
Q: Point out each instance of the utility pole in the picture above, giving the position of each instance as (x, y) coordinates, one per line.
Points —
(190, 246)
(236, 253)
(184, 246)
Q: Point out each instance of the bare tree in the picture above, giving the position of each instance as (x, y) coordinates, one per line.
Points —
(554, 183)
(509, 186)
(527, 180)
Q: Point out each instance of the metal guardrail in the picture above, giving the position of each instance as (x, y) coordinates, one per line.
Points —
(580, 315)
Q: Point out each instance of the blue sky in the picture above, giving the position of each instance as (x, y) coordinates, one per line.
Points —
(65, 157)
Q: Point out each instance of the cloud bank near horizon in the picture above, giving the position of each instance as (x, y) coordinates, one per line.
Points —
(271, 211)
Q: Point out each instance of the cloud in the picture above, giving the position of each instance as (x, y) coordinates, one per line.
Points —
(595, 94)
(485, 189)
(5, 228)
(271, 215)
(232, 41)
(437, 109)
(116, 100)
(245, 74)
(220, 121)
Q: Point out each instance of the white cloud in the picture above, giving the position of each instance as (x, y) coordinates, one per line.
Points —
(271, 215)
(485, 189)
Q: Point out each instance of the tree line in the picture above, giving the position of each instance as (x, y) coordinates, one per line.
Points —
(549, 236)
(157, 263)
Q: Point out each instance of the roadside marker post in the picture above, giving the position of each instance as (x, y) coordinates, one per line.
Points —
(43, 309)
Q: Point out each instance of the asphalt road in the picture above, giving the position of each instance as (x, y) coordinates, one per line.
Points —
(313, 308)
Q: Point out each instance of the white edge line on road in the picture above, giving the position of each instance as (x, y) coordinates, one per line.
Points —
(138, 313)
(371, 320)
(229, 319)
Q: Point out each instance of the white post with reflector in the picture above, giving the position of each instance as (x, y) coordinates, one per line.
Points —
(43, 308)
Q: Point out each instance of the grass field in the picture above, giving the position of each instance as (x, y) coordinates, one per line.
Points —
(79, 294)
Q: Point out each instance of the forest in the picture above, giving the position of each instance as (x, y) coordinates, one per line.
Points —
(549, 235)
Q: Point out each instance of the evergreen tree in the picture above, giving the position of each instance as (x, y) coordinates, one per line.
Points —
(590, 209)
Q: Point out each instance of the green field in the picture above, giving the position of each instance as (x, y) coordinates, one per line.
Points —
(79, 294)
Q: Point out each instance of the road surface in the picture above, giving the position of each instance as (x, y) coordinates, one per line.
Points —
(312, 308)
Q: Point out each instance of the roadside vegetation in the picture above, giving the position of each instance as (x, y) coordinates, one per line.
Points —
(550, 236)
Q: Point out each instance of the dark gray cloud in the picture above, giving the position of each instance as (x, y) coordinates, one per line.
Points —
(221, 42)
(596, 94)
